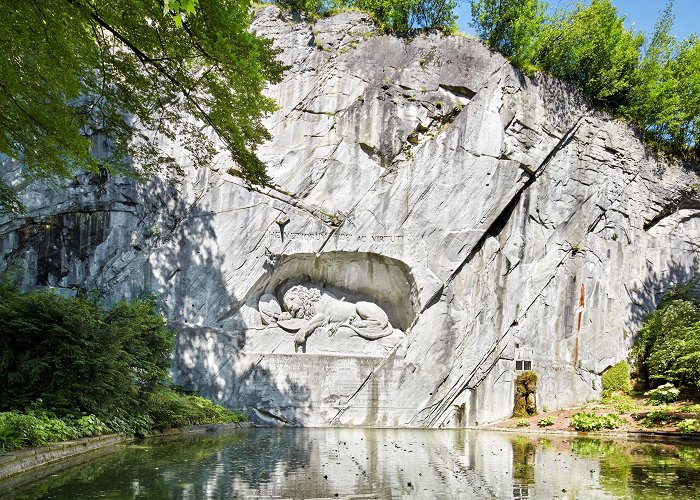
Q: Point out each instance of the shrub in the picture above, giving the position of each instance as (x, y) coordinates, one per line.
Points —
(171, 409)
(523, 422)
(18, 430)
(34, 428)
(546, 421)
(90, 425)
(690, 408)
(656, 417)
(667, 347)
(590, 422)
(617, 379)
(665, 393)
(69, 368)
(689, 425)
(77, 357)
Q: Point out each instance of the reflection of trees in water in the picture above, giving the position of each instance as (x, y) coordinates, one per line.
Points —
(292, 462)
(637, 469)
(523, 466)
(193, 466)
(615, 462)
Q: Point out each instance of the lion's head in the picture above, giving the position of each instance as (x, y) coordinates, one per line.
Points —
(299, 301)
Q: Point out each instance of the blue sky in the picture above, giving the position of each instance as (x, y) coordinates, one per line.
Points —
(642, 13)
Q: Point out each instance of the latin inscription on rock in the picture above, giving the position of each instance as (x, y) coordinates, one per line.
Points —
(275, 235)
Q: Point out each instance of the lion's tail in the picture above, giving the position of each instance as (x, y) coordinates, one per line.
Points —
(371, 336)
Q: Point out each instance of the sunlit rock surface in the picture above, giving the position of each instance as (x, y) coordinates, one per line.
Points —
(493, 217)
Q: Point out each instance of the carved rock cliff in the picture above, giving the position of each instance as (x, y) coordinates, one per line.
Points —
(497, 220)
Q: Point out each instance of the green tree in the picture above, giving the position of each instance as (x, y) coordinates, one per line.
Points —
(435, 14)
(79, 75)
(667, 348)
(404, 15)
(591, 48)
(509, 26)
(682, 114)
(674, 113)
(645, 97)
(68, 355)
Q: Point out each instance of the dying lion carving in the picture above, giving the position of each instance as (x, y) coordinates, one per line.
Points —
(319, 308)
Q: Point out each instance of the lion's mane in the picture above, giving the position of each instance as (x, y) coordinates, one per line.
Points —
(309, 296)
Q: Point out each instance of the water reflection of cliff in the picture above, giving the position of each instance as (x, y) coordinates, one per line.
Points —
(380, 463)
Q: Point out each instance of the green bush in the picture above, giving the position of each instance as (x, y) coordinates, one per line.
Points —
(171, 409)
(657, 417)
(690, 408)
(663, 394)
(523, 422)
(78, 358)
(667, 348)
(90, 425)
(689, 425)
(35, 428)
(617, 379)
(69, 368)
(546, 421)
(590, 422)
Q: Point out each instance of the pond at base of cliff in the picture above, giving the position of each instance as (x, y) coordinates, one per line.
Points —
(379, 463)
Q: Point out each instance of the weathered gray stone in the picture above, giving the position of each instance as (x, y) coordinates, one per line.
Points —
(493, 217)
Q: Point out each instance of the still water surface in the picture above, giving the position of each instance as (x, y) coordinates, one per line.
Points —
(380, 463)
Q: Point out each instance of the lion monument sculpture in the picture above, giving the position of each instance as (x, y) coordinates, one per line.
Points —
(317, 308)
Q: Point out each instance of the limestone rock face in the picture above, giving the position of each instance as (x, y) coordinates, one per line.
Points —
(493, 221)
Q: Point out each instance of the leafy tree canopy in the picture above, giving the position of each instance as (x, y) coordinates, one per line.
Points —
(90, 84)
(666, 101)
(667, 348)
(70, 356)
(397, 15)
(656, 85)
(511, 27)
(591, 48)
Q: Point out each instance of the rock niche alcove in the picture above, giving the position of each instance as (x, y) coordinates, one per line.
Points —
(308, 336)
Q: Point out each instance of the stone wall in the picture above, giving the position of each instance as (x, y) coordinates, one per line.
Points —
(26, 459)
(491, 218)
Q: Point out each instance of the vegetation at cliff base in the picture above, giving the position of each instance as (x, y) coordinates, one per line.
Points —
(616, 379)
(667, 348)
(590, 422)
(524, 403)
(653, 81)
(91, 84)
(69, 368)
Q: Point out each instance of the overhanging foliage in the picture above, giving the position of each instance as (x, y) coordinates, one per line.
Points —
(90, 84)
